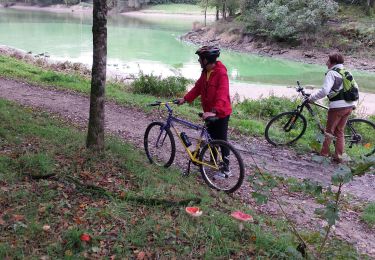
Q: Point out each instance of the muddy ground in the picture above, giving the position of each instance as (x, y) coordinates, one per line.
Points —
(130, 123)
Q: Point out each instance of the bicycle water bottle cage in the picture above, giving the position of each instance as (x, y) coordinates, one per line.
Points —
(185, 139)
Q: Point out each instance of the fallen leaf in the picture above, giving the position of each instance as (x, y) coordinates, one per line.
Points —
(368, 145)
(122, 195)
(18, 217)
(2, 222)
(4, 189)
(78, 220)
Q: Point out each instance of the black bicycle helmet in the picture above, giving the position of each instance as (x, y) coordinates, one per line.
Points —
(208, 52)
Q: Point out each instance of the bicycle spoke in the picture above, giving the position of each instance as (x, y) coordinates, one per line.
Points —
(359, 138)
(159, 145)
(285, 128)
(222, 172)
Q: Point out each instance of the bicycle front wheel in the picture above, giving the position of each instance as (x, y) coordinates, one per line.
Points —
(285, 128)
(359, 137)
(222, 166)
(159, 144)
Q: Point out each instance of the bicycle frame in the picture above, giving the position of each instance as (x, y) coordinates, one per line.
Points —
(171, 119)
(312, 113)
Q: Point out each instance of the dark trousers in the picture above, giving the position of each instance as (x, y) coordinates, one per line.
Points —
(218, 130)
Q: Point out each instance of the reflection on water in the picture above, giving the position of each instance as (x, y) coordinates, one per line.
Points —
(149, 44)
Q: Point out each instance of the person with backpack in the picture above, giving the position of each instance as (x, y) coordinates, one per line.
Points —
(213, 88)
(342, 91)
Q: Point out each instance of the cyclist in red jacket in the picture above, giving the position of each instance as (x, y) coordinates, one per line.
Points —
(213, 87)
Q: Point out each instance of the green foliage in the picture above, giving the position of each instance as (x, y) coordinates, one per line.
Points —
(307, 186)
(155, 85)
(288, 20)
(368, 214)
(265, 108)
(39, 164)
(73, 241)
(329, 213)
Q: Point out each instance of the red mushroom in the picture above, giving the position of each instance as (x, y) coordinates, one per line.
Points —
(242, 217)
(193, 211)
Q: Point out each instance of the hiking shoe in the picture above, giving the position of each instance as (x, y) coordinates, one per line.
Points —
(221, 175)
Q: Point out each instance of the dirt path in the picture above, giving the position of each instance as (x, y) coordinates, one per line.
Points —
(130, 123)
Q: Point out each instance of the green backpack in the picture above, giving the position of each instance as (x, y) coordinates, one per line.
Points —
(350, 90)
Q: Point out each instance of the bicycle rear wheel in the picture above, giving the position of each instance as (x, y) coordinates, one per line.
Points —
(220, 173)
(285, 128)
(159, 144)
(359, 137)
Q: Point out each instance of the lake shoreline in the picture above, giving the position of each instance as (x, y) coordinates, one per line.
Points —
(52, 8)
(238, 91)
(249, 45)
(206, 36)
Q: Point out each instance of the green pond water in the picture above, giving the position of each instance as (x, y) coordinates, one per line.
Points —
(149, 44)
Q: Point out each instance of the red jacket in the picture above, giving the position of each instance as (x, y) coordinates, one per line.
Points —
(214, 92)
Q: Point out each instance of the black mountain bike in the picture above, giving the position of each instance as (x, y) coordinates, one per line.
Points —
(286, 128)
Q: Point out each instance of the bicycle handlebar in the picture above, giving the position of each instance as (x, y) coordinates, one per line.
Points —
(159, 103)
(301, 90)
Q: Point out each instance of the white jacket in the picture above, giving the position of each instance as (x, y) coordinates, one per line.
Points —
(332, 83)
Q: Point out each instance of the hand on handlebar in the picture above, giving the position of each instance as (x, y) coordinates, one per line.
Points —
(180, 101)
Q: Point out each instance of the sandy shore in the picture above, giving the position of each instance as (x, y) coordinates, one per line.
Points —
(366, 104)
(54, 8)
(151, 13)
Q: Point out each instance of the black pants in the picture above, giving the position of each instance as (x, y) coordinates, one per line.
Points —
(218, 130)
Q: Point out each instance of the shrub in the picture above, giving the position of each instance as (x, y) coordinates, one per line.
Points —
(266, 107)
(287, 20)
(155, 85)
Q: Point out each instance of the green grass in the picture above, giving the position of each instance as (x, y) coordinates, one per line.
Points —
(122, 224)
(129, 207)
(178, 9)
(368, 214)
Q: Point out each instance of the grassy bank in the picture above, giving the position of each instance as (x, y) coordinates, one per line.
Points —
(60, 200)
(249, 117)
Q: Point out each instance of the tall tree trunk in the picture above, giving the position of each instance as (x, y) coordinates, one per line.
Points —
(95, 135)
(217, 13)
(224, 10)
(370, 5)
(205, 13)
